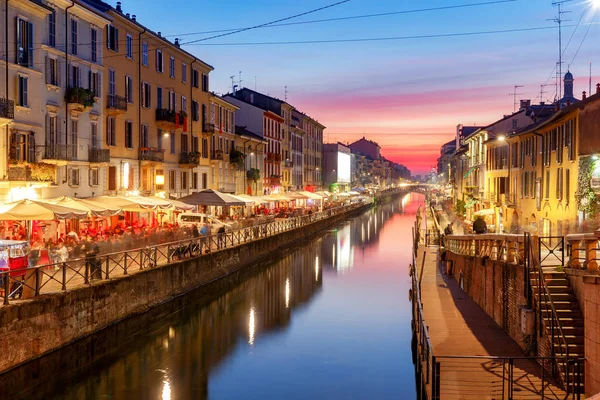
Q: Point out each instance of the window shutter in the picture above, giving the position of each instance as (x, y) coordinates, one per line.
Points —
(30, 45)
(99, 84)
(567, 185)
(18, 51)
(48, 70)
(90, 86)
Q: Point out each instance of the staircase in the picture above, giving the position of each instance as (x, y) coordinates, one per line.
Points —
(569, 331)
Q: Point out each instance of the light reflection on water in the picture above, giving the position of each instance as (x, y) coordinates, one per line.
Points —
(330, 320)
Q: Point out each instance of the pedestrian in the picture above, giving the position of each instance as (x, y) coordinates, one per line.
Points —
(195, 232)
(479, 226)
(221, 236)
(448, 230)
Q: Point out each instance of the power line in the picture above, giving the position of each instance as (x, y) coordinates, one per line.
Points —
(583, 40)
(421, 10)
(271, 23)
(379, 39)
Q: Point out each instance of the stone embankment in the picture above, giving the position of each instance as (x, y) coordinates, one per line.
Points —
(55, 318)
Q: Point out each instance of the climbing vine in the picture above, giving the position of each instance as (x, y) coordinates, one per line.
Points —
(585, 195)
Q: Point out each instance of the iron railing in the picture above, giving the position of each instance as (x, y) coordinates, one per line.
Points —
(96, 155)
(63, 152)
(189, 158)
(147, 154)
(551, 250)
(7, 108)
(115, 102)
(61, 276)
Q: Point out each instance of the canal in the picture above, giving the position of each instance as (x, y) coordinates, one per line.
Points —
(329, 320)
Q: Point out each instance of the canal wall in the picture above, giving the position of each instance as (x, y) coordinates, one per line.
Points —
(36, 327)
(497, 287)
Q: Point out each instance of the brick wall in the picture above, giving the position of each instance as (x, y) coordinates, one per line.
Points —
(498, 288)
(592, 334)
(33, 328)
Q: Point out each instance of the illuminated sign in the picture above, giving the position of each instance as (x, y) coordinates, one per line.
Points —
(343, 168)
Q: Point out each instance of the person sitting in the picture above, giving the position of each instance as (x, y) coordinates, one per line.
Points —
(479, 226)
(448, 230)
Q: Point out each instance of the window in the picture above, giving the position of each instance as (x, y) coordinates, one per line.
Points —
(52, 71)
(195, 144)
(547, 191)
(559, 184)
(159, 97)
(184, 180)
(94, 132)
(129, 88)
(159, 139)
(129, 134)
(94, 82)
(127, 175)
(112, 88)
(112, 178)
(111, 135)
(145, 54)
(93, 176)
(146, 99)
(184, 104)
(204, 82)
(183, 73)
(205, 181)
(129, 45)
(195, 111)
(112, 38)
(194, 180)
(159, 61)
(75, 76)
(172, 179)
(94, 37)
(74, 177)
(74, 26)
(204, 148)
(52, 29)
(172, 142)
(74, 130)
(24, 43)
(172, 101)
(567, 185)
(51, 130)
(184, 143)
(172, 67)
(144, 137)
(23, 91)
(195, 79)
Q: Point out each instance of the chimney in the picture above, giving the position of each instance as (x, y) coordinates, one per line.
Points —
(584, 95)
(568, 103)
(133, 17)
(119, 6)
(525, 104)
(542, 103)
(127, 15)
(177, 42)
(158, 34)
(597, 88)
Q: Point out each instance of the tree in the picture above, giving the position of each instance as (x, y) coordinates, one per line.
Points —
(253, 174)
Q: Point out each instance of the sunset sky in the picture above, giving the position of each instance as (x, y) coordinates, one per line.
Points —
(407, 94)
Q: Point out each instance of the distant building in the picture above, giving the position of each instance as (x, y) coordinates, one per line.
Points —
(367, 148)
(337, 166)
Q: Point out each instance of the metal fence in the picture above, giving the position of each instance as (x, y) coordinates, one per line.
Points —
(31, 282)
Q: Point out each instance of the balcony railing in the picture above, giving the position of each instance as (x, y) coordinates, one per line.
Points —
(61, 152)
(78, 96)
(210, 128)
(150, 154)
(216, 155)
(289, 164)
(227, 187)
(7, 109)
(116, 103)
(274, 181)
(96, 155)
(189, 158)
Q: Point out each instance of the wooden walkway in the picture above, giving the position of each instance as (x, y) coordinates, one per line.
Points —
(473, 351)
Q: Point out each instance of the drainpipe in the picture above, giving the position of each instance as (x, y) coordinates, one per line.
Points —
(140, 106)
(7, 149)
(67, 78)
(191, 118)
(244, 163)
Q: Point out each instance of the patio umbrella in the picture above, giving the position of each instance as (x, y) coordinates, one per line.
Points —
(133, 203)
(247, 201)
(31, 210)
(211, 197)
(253, 199)
(95, 209)
(180, 205)
(313, 196)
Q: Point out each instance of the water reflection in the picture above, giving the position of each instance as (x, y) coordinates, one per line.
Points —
(261, 339)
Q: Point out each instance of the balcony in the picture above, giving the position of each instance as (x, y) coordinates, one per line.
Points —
(227, 187)
(151, 154)
(216, 155)
(209, 129)
(288, 164)
(7, 110)
(60, 153)
(274, 181)
(31, 172)
(96, 155)
(273, 158)
(169, 120)
(116, 105)
(190, 159)
(79, 99)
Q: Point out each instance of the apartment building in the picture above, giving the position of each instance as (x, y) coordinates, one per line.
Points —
(296, 151)
(250, 147)
(313, 153)
(52, 99)
(223, 171)
(287, 162)
(157, 103)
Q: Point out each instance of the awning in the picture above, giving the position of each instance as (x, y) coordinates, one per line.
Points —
(95, 209)
(313, 196)
(469, 172)
(486, 211)
(209, 197)
(244, 199)
(30, 210)
(253, 199)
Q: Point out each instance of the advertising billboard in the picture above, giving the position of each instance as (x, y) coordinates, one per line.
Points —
(343, 168)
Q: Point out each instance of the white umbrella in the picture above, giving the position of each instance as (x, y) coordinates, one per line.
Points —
(95, 209)
(31, 210)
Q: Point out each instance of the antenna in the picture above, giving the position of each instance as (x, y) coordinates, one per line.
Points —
(232, 77)
(515, 94)
(559, 20)
(286, 93)
(240, 79)
(542, 91)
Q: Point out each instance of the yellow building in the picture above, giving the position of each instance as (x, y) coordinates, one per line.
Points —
(252, 148)
(157, 126)
(222, 142)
